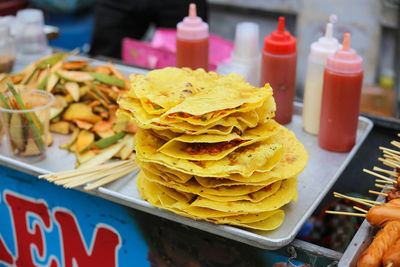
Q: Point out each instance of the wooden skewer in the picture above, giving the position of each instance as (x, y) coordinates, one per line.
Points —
(366, 202)
(336, 194)
(379, 175)
(71, 173)
(384, 186)
(391, 173)
(391, 157)
(360, 209)
(390, 150)
(390, 153)
(346, 213)
(395, 159)
(108, 179)
(389, 163)
(383, 181)
(395, 143)
(113, 172)
(378, 193)
(99, 173)
(389, 265)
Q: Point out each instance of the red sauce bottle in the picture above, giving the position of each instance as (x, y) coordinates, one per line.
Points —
(192, 42)
(278, 68)
(341, 96)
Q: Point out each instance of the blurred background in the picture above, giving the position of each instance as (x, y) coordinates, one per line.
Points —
(373, 26)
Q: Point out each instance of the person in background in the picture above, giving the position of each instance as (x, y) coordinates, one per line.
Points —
(115, 20)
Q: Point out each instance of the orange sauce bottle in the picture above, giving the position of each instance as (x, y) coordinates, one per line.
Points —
(192, 42)
(278, 68)
(341, 97)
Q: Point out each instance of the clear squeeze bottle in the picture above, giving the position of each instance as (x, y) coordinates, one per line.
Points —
(341, 96)
(326, 45)
(192, 41)
(245, 58)
(278, 68)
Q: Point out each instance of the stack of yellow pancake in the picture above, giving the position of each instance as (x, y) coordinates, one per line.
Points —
(209, 149)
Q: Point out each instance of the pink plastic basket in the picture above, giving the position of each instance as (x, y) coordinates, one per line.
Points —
(160, 53)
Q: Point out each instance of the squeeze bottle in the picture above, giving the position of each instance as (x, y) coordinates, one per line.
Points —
(192, 40)
(278, 68)
(326, 45)
(245, 59)
(341, 96)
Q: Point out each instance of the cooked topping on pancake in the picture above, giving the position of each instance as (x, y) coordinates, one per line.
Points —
(212, 148)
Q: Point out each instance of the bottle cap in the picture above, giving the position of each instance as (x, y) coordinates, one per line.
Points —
(327, 44)
(246, 43)
(345, 60)
(192, 27)
(280, 41)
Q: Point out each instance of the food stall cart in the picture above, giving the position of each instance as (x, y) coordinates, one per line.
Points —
(45, 224)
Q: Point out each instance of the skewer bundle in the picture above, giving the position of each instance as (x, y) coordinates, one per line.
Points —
(94, 176)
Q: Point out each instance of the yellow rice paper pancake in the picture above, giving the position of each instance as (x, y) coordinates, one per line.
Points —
(261, 221)
(193, 187)
(195, 92)
(195, 147)
(183, 127)
(259, 156)
(252, 197)
(284, 195)
(212, 182)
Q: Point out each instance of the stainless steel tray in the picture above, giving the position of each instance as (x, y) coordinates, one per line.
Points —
(358, 245)
(320, 174)
(360, 242)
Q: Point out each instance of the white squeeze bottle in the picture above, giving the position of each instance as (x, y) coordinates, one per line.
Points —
(316, 63)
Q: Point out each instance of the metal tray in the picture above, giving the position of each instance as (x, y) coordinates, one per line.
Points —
(358, 245)
(320, 174)
(360, 242)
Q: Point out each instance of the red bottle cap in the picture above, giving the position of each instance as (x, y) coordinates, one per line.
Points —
(280, 42)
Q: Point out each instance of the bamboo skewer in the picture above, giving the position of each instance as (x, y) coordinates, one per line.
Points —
(107, 180)
(384, 186)
(379, 175)
(378, 193)
(66, 174)
(390, 150)
(391, 173)
(97, 175)
(366, 202)
(360, 209)
(391, 153)
(391, 157)
(89, 176)
(389, 163)
(346, 213)
(383, 181)
(395, 143)
(336, 194)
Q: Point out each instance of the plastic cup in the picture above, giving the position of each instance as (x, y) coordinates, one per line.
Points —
(30, 36)
(27, 130)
